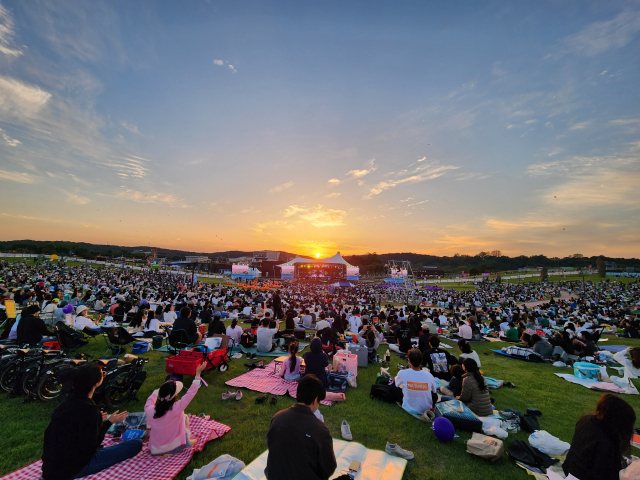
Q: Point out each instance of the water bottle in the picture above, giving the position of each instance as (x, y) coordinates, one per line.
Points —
(387, 356)
(343, 367)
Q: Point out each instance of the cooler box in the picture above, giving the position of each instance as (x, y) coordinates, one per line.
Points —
(140, 347)
(361, 352)
(344, 362)
(586, 370)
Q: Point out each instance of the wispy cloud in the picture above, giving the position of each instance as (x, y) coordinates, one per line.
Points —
(161, 198)
(555, 151)
(20, 99)
(580, 126)
(131, 127)
(280, 188)
(333, 195)
(625, 121)
(222, 63)
(76, 199)
(370, 167)
(7, 44)
(12, 142)
(601, 36)
(19, 177)
(426, 172)
(293, 210)
(321, 217)
(417, 203)
(333, 182)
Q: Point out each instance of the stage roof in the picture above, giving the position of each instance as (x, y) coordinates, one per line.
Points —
(333, 260)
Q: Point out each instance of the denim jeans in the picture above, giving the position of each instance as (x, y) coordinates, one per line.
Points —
(109, 456)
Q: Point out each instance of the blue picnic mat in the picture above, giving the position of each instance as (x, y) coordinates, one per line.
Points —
(517, 357)
(614, 348)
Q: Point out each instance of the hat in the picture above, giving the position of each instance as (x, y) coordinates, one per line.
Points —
(63, 303)
(217, 314)
(81, 308)
(55, 300)
(179, 386)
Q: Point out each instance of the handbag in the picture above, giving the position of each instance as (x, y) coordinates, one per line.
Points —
(459, 415)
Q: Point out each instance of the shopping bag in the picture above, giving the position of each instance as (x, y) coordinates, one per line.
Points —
(485, 447)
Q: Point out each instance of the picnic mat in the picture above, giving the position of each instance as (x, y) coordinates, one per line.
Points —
(614, 348)
(376, 464)
(263, 380)
(517, 357)
(143, 465)
(595, 384)
(276, 353)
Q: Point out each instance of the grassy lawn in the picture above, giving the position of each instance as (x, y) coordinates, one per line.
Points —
(372, 422)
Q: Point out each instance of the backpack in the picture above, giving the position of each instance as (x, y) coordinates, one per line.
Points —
(383, 392)
(247, 340)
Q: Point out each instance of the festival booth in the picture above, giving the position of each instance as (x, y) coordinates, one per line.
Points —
(320, 269)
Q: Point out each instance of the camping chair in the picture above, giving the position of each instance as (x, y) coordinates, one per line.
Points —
(92, 334)
(118, 339)
(178, 340)
(596, 336)
(69, 339)
(10, 312)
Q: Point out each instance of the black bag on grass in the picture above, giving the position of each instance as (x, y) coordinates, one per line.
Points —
(520, 451)
(386, 393)
(529, 423)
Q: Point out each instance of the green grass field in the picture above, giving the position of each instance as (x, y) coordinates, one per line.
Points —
(372, 422)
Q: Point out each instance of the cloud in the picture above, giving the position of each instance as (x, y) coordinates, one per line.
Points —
(76, 199)
(12, 142)
(366, 171)
(7, 45)
(333, 195)
(601, 36)
(580, 126)
(406, 200)
(221, 63)
(472, 176)
(161, 198)
(130, 127)
(555, 151)
(333, 182)
(625, 121)
(292, 210)
(232, 68)
(324, 217)
(218, 62)
(280, 188)
(608, 188)
(417, 203)
(19, 177)
(497, 71)
(529, 122)
(427, 172)
(509, 127)
(506, 226)
(20, 99)
(247, 210)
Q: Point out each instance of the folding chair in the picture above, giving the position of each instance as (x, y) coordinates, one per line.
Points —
(178, 340)
(118, 339)
(92, 334)
(69, 339)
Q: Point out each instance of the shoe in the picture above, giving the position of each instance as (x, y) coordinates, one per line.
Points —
(254, 356)
(238, 395)
(346, 431)
(248, 356)
(395, 450)
(428, 416)
(261, 399)
(274, 400)
(228, 394)
(401, 367)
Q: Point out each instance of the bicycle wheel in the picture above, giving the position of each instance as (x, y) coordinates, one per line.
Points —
(9, 377)
(30, 381)
(118, 393)
(49, 387)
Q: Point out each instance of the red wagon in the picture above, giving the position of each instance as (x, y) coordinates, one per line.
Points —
(186, 362)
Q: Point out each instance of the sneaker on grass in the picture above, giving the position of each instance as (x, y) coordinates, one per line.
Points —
(428, 416)
(238, 395)
(346, 431)
(228, 394)
(395, 450)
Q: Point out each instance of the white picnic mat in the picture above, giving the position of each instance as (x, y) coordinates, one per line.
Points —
(595, 384)
(376, 465)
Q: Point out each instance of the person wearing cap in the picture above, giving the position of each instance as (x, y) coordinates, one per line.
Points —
(31, 329)
(58, 314)
(216, 326)
(81, 322)
(166, 418)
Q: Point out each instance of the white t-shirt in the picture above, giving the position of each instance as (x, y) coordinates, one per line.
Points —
(170, 317)
(322, 324)
(354, 324)
(465, 332)
(307, 321)
(504, 326)
(265, 335)
(154, 326)
(81, 322)
(443, 320)
(235, 333)
(473, 355)
(416, 388)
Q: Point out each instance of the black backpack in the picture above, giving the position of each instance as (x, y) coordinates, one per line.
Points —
(386, 393)
(247, 340)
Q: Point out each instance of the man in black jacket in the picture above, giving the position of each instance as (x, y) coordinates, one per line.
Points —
(77, 428)
(184, 322)
(31, 328)
(300, 444)
(438, 361)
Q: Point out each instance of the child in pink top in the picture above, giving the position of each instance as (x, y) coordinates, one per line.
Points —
(166, 418)
(286, 371)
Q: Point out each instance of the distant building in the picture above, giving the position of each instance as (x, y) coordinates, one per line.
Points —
(267, 255)
(611, 265)
(428, 271)
(197, 259)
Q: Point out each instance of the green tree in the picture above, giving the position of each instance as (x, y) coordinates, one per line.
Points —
(474, 271)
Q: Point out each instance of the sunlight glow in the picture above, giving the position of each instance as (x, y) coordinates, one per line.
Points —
(317, 255)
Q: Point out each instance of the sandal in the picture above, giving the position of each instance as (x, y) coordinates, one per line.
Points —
(261, 399)
(274, 400)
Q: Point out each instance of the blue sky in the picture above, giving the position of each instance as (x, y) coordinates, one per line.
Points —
(356, 126)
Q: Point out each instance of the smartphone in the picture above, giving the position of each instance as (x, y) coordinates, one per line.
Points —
(354, 467)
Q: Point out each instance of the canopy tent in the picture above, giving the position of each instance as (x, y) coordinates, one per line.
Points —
(341, 284)
(333, 260)
(334, 267)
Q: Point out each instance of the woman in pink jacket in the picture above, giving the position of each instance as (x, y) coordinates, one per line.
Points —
(166, 418)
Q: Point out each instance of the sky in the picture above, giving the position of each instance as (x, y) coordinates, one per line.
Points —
(373, 126)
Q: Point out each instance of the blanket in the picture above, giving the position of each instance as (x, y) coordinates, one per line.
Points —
(518, 357)
(264, 380)
(143, 465)
(614, 348)
(376, 465)
(595, 384)
(276, 353)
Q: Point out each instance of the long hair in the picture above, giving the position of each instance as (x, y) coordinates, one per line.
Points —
(150, 316)
(617, 419)
(634, 353)
(464, 346)
(293, 350)
(137, 318)
(163, 406)
(472, 367)
(81, 380)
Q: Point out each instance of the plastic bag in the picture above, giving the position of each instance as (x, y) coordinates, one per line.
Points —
(495, 430)
(547, 443)
(351, 380)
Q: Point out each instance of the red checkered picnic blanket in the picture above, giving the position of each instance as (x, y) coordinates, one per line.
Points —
(264, 380)
(143, 465)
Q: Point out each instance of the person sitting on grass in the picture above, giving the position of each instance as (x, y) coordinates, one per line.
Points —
(81, 321)
(72, 440)
(631, 367)
(418, 386)
(585, 346)
(152, 326)
(299, 445)
(216, 326)
(475, 391)
(455, 384)
(438, 361)
(465, 348)
(265, 336)
(512, 333)
(184, 322)
(31, 329)
(600, 440)
(290, 369)
(541, 347)
(166, 418)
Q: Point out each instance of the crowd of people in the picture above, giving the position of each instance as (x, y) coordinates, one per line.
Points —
(564, 318)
